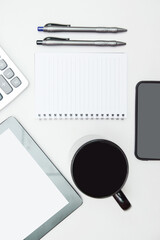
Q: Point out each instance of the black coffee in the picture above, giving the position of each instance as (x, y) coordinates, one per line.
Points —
(99, 168)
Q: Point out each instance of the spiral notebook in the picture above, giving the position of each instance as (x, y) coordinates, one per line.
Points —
(80, 85)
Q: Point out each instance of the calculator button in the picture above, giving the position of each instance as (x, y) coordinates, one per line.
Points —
(8, 73)
(16, 82)
(3, 64)
(4, 85)
(1, 97)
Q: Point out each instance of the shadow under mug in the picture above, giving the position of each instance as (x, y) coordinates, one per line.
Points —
(99, 169)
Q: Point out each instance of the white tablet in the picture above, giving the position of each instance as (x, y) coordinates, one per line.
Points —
(35, 196)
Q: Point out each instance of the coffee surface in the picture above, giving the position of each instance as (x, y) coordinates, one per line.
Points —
(99, 168)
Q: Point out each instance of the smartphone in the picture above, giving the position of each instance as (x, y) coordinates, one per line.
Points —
(147, 120)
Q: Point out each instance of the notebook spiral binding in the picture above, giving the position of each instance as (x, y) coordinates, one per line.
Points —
(81, 116)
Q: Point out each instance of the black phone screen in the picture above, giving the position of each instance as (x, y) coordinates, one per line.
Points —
(147, 127)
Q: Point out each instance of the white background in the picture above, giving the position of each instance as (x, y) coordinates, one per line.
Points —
(95, 219)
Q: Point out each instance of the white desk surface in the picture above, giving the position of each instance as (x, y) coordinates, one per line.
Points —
(95, 219)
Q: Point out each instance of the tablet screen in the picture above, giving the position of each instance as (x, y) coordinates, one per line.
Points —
(28, 197)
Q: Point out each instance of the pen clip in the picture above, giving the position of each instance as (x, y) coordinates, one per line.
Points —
(56, 39)
(56, 25)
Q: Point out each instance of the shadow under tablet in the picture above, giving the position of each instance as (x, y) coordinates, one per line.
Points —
(99, 169)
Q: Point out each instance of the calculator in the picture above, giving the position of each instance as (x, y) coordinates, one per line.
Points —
(12, 81)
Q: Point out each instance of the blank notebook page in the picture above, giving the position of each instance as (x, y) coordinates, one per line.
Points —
(81, 85)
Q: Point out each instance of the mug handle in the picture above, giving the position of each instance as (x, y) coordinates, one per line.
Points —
(122, 200)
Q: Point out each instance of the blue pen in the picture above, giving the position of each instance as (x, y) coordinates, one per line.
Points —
(53, 27)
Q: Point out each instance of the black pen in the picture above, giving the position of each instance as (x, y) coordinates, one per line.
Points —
(52, 41)
(53, 27)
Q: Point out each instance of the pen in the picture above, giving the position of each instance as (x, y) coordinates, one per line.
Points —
(52, 41)
(53, 27)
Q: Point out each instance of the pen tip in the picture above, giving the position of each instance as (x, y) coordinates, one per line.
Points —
(121, 29)
(121, 43)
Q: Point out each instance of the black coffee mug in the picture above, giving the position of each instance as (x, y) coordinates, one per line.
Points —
(99, 169)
